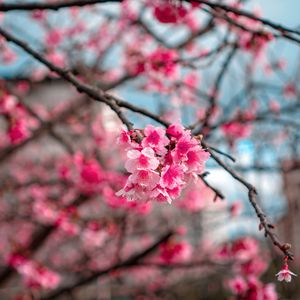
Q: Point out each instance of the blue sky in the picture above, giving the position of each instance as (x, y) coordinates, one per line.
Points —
(285, 12)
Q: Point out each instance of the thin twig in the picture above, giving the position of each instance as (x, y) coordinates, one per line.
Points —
(218, 82)
(252, 195)
(130, 262)
(51, 5)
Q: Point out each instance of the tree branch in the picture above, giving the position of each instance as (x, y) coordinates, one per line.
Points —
(252, 195)
(97, 94)
(251, 16)
(45, 127)
(37, 240)
(51, 5)
(130, 262)
(218, 82)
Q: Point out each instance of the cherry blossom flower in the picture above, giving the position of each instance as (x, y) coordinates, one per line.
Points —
(18, 132)
(245, 248)
(155, 138)
(141, 160)
(57, 58)
(91, 173)
(7, 103)
(269, 292)
(183, 146)
(34, 274)
(94, 236)
(175, 252)
(254, 266)
(166, 12)
(172, 176)
(44, 212)
(289, 90)
(163, 61)
(285, 274)
(196, 158)
(145, 178)
(175, 130)
(54, 37)
(236, 130)
(161, 164)
(238, 285)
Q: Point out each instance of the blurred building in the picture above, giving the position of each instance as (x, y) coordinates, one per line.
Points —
(289, 224)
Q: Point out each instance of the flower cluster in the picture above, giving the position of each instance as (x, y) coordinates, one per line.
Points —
(160, 61)
(163, 61)
(175, 251)
(251, 289)
(252, 41)
(85, 172)
(19, 122)
(236, 130)
(161, 162)
(46, 213)
(34, 274)
(171, 11)
(249, 265)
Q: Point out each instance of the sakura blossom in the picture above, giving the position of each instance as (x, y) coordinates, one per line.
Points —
(285, 274)
(18, 132)
(34, 274)
(172, 11)
(175, 252)
(162, 163)
(236, 130)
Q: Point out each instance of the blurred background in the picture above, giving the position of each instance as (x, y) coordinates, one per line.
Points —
(256, 120)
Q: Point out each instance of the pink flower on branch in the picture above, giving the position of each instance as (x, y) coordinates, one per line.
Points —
(166, 11)
(144, 178)
(34, 274)
(285, 274)
(161, 162)
(18, 132)
(172, 176)
(175, 252)
(155, 138)
(164, 61)
(141, 160)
